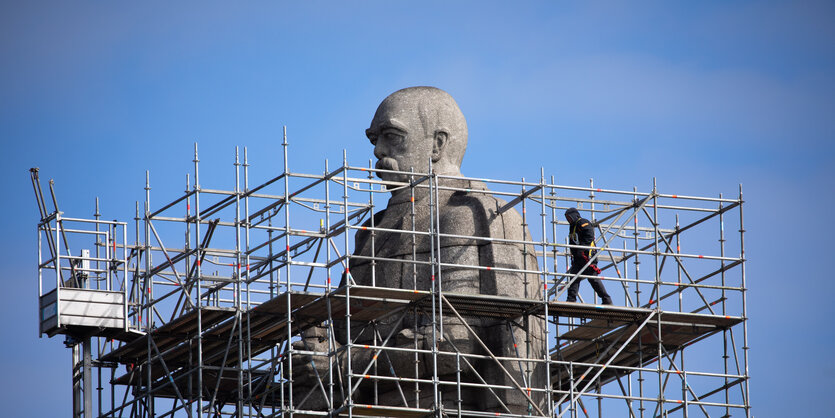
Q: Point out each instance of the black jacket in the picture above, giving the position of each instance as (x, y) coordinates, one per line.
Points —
(581, 232)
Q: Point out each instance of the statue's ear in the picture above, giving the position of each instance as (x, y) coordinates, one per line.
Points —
(438, 144)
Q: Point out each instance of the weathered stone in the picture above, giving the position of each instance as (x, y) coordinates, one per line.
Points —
(410, 127)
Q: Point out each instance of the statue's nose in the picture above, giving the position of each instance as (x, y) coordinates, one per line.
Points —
(379, 152)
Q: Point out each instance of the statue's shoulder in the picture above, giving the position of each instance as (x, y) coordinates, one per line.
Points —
(473, 210)
(363, 234)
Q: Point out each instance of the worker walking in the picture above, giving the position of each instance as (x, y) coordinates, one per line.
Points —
(581, 232)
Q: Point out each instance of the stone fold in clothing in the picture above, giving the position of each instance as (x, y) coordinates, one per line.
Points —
(466, 215)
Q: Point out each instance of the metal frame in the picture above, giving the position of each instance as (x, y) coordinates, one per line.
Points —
(215, 301)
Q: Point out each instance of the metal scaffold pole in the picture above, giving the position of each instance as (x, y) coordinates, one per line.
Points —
(198, 274)
(746, 395)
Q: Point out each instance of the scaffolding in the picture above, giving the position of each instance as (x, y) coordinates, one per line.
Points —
(207, 311)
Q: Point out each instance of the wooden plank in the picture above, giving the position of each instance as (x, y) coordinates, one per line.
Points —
(492, 306)
(361, 410)
(585, 310)
(169, 335)
(592, 329)
(384, 292)
(701, 319)
(278, 304)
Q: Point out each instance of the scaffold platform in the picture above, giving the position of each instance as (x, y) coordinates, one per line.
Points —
(582, 345)
(590, 344)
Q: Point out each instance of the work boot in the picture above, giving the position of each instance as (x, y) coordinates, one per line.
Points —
(606, 301)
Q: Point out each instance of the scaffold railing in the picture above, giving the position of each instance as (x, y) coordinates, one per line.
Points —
(243, 302)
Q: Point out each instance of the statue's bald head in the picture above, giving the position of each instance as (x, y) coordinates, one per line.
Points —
(429, 116)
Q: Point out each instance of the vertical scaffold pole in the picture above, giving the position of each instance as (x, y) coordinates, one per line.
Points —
(87, 375)
(680, 309)
(592, 216)
(198, 278)
(626, 299)
(189, 277)
(247, 281)
(237, 286)
(724, 305)
(545, 336)
(458, 399)
(40, 278)
(416, 356)
(437, 239)
(348, 280)
(678, 266)
(373, 269)
(557, 282)
(135, 286)
(77, 402)
(148, 293)
(747, 395)
(637, 264)
(572, 406)
(593, 220)
(288, 260)
(328, 286)
(656, 294)
(656, 291)
(373, 246)
(125, 324)
(526, 370)
(433, 255)
(59, 282)
(97, 217)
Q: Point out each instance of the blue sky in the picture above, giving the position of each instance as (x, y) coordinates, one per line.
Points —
(701, 95)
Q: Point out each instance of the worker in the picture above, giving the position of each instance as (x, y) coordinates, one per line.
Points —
(581, 232)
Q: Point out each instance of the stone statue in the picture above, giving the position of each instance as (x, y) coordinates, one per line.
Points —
(410, 127)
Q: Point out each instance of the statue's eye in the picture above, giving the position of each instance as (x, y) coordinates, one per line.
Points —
(392, 137)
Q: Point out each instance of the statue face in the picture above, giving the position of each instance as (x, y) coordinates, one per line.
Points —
(400, 142)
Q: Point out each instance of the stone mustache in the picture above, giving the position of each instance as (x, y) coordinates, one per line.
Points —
(411, 127)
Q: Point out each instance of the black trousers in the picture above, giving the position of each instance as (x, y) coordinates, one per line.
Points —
(596, 284)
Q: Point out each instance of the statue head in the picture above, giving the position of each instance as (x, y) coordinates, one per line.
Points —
(415, 124)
